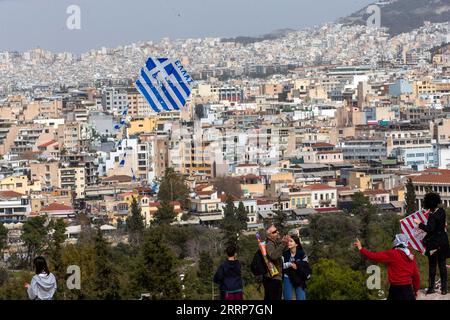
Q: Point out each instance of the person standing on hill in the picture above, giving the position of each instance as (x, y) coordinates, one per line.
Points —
(296, 270)
(273, 288)
(403, 274)
(229, 278)
(436, 241)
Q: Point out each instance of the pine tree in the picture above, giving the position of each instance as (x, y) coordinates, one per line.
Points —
(58, 238)
(230, 224)
(173, 188)
(135, 224)
(362, 208)
(105, 282)
(3, 237)
(156, 271)
(165, 214)
(410, 198)
(242, 216)
(281, 218)
(34, 236)
(205, 268)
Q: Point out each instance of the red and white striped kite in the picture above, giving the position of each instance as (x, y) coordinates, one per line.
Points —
(412, 230)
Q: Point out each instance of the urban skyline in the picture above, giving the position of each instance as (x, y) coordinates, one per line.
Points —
(43, 23)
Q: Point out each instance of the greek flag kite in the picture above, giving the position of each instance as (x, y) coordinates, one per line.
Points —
(165, 84)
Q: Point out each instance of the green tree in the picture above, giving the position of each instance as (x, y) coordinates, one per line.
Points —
(173, 188)
(135, 224)
(362, 208)
(205, 268)
(105, 281)
(332, 281)
(3, 238)
(280, 220)
(242, 216)
(332, 237)
(57, 239)
(165, 214)
(34, 236)
(410, 198)
(229, 224)
(156, 270)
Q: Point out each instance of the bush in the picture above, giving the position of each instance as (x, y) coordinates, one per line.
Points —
(331, 281)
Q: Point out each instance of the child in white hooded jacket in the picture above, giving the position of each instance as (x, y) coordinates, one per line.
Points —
(43, 283)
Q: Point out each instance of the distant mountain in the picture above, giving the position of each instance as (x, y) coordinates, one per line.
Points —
(404, 15)
(270, 36)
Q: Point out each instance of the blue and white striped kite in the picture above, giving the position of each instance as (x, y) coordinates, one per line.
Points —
(165, 84)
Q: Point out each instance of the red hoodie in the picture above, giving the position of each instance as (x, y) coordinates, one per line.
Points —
(401, 269)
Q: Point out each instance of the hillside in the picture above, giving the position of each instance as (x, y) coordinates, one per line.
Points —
(404, 15)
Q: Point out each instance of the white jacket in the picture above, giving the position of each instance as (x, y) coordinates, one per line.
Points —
(42, 287)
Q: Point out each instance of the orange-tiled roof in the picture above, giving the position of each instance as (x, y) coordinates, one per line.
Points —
(318, 186)
(48, 143)
(322, 145)
(223, 197)
(7, 194)
(438, 176)
(201, 186)
(265, 201)
(57, 207)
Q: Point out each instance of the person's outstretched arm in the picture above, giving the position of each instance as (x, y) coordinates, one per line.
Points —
(383, 256)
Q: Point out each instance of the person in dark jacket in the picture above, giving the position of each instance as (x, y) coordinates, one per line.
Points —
(403, 274)
(293, 280)
(435, 241)
(229, 278)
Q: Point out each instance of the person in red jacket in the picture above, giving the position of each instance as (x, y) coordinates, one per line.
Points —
(403, 275)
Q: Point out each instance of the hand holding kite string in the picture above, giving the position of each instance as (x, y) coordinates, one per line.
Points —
(358, 244)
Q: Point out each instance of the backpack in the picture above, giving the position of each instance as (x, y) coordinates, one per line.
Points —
(304, 269)
(258, 265)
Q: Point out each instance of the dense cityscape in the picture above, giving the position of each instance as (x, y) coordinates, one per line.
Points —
(293, 128)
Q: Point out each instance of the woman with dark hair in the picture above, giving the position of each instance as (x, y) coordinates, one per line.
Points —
(435, 241)
(295, 270)
(43, 283)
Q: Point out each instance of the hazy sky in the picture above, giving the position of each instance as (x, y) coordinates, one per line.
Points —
(26, 24)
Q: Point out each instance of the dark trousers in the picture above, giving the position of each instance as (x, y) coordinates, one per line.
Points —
(272, 289)
(438, 258)
(401, 292)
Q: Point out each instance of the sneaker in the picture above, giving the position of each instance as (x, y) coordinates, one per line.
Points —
(430, 291)
(444, 292)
